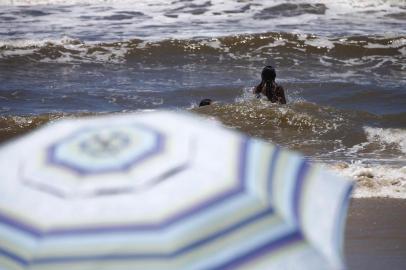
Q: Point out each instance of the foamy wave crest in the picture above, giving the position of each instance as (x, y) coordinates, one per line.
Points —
(260, 115)
(390, 136)
(386, 178)
(65, 2)
(294, 49)
(64, 50)
(112, 20)
(380, 142)
(374, 180)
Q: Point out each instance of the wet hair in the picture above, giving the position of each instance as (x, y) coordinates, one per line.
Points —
(268, 74)
(205, 102)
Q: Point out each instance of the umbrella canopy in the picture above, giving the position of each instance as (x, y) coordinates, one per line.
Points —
(164, 190)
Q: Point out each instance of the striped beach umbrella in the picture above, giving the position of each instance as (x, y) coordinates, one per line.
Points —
(164, 190)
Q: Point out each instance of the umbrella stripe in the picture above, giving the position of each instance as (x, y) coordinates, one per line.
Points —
(8, 264)
(297, 193)
(208, 222)
(179, 252)
(283, 240)
(263, 214)
(241, 243)
(14, 257)
(23, 227)
(45, 188)
(14, 241)
(258, 167)
(272, 166)
(203, 258)
(340, 219)
(156, 148)
(285, 182)
(287, 256)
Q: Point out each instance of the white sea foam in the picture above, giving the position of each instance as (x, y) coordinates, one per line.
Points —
(377, 177)
(374, 180)
(185, 19)
(75, 26)
(320, 43)
(389, 136)
(21, 47)
(24, 43)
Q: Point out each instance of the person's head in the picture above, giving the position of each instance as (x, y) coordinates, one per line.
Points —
(205, 102)
(268, 74)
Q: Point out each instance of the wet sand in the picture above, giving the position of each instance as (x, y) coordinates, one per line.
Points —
(376, 234)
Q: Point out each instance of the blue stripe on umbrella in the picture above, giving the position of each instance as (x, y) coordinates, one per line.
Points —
(268, 247)
(23, 227)
(340, 218)
(297, 192)
(159, 138)
(14, 257)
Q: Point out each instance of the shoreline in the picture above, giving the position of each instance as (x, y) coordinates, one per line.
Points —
(375, 235)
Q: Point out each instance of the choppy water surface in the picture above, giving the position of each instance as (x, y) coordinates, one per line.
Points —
(342, 63)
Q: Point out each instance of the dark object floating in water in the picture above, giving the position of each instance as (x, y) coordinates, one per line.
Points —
(205, 102)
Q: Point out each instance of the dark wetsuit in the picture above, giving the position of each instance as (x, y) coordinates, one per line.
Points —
(274, 92)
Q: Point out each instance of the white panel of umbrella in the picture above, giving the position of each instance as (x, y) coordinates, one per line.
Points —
(164, 190)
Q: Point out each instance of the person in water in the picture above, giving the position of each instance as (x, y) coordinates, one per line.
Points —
(268, 87)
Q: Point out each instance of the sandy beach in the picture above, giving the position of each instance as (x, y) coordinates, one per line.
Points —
(376, 234)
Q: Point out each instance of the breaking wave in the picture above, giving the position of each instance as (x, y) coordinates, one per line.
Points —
(295, 48)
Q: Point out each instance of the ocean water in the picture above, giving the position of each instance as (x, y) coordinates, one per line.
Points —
(342, 63)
